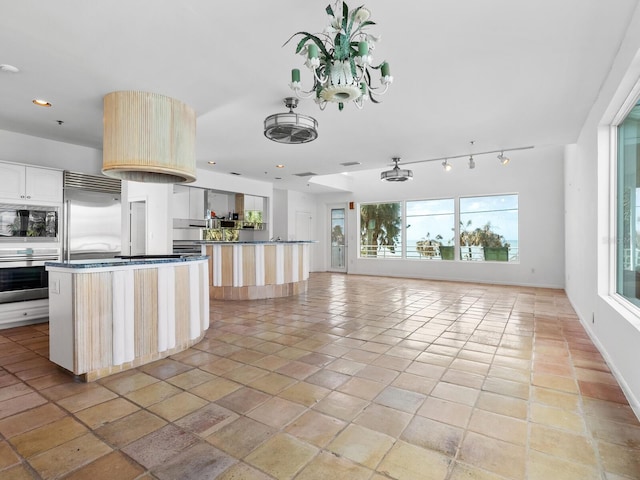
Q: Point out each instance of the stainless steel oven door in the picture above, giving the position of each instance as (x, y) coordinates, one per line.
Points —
(23, 275)
(23, 283)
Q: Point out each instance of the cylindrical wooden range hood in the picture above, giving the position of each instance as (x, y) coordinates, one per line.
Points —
(148, 138)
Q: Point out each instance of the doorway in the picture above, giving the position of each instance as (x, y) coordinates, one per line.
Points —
(338, 239)
(138, 227)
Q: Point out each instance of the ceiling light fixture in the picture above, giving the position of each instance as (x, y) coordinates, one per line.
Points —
(466, 155)
(291, 128)
(446, 165)
(503, 160)
(6, 68)
(40, 102)
(472, 162)
(340, 60)
(396, 174)
(148, 138)
(211, 162)
(279, 166)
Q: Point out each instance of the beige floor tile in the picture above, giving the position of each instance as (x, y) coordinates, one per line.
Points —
(383, 419)
(498, 426)
(620, 460)
(494, 455)
(128, 381)
(8, 457)
(106, 412)
(304, 393)
(277, 412)
(80, 401)
(152, 394)
(129, 429)
(409, 462)
(362, 445)
(316, 428)
(326, 465)
(18, 472)
(462, 471)
(541, 466)
(216, 388)
(557, 417)
(272, 383)
(282, 456)
(34, 418)
(445, 411)
(340, 405)
(48, 436)
(241, 437)
(112, 466)
(177, 406)
(362, 388)
(190, 379)
(69, 456)
(241, 471)
(562, 444)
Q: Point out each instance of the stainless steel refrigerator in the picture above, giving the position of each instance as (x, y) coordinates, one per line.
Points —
(92, 217)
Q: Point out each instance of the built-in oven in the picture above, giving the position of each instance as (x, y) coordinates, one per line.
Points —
(22, 273)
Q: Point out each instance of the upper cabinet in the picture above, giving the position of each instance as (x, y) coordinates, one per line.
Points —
(188, 202)
(30, 185)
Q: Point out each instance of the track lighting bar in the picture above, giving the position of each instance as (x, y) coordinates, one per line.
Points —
(475, 154)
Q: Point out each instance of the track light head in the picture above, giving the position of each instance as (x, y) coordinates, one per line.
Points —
(472, 162)
(503, 159)
(446, 165)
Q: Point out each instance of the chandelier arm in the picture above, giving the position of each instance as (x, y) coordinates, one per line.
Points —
(302, 93)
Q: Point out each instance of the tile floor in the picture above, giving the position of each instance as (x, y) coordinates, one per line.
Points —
(360, 378)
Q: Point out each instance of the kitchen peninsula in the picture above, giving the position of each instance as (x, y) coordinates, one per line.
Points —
(110, 315)
(256, 270)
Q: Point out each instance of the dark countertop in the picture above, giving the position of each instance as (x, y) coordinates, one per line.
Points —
(124, 261)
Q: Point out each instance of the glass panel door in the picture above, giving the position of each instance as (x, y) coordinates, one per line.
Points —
(338, 240)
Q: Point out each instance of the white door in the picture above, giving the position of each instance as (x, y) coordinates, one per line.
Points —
(138, 227)
(303, 226)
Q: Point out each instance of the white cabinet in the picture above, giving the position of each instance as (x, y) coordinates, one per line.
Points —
(16, 314)
(196, 203)
(30, 184)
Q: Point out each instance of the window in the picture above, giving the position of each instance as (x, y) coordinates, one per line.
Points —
(628, 211)
(489, 228)
(381, 230)
(430, 229)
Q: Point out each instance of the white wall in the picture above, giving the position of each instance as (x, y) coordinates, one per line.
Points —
(158, 197)
(535, 175)
(15, 147)
(614, 328)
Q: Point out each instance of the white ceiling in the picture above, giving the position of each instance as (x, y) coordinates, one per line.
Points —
(504, 73)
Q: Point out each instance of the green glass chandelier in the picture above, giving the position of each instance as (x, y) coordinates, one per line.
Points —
(341, 61)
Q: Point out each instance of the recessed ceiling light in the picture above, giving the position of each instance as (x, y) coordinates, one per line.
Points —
(211, 163)
(280, 166)
(40, 102)
(8, 68)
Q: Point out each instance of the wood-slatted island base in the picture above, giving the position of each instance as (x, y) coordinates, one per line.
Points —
(110, 315)
(256, 270)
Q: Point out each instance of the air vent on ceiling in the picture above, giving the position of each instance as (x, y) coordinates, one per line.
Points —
(305, 174)
(349, 164)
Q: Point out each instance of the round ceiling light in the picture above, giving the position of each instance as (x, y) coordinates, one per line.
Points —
(396, 174)
(290, 127)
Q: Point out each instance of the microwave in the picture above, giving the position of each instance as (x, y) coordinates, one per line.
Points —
(28, 222)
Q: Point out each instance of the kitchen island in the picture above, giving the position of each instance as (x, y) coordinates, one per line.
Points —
(256, 270)
(110, 315)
